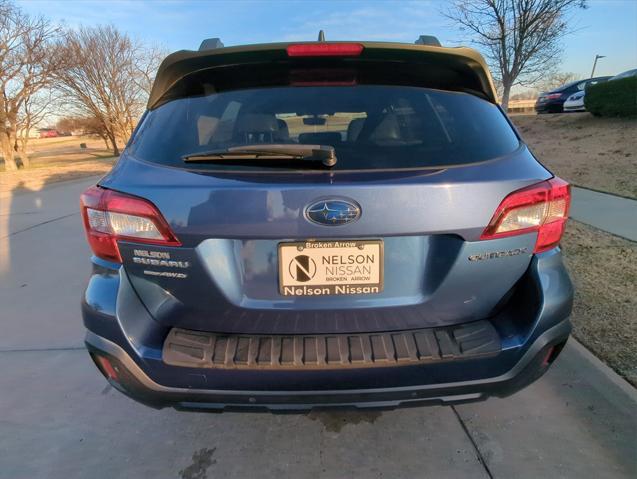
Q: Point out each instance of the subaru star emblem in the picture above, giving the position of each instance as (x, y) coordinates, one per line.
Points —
(333, 212)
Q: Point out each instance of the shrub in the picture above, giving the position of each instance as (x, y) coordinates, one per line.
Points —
(613, 98)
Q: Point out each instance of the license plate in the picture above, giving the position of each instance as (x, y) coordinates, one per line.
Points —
(322, 268)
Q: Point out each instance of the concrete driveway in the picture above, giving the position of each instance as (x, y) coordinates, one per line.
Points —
(60, 419)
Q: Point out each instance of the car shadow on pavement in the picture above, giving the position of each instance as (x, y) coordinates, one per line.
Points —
(8, 218)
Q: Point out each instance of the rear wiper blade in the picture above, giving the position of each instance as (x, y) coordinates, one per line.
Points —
(323, 153)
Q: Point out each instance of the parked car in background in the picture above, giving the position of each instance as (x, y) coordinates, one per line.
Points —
(575, 102)
(48, 133)
(553, 101)
(626, 74)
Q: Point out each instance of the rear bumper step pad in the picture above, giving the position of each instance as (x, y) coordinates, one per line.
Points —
(331, 351)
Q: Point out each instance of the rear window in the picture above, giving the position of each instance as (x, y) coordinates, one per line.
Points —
(370, 126)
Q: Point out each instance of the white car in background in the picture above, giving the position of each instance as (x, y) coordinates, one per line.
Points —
(575, 102)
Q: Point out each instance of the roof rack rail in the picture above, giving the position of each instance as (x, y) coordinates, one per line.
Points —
(211, 44)
(428, 40)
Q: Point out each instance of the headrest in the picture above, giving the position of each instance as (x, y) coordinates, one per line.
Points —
(323, 138)
(387, 129)
(354, 128)
(257, 122)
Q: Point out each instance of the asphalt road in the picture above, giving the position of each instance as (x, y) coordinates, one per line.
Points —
(60, 419)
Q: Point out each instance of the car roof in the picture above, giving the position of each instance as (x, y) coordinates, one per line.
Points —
(565, 86)
(465, 63)
(575, 82)
(626, 74)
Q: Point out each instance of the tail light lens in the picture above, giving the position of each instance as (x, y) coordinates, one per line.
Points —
(325, 50)
(542, 207)
(110, 216)
(553, 96)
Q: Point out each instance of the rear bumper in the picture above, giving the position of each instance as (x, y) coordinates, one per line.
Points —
(134, 382)
(532, 327)
(551, 106)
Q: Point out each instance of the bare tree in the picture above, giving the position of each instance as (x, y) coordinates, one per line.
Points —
(555, 79)
(520, 38)
(34, 110)
(86, 125)
(105, 77)
(26, 68)
(525, 95)
(146, 67)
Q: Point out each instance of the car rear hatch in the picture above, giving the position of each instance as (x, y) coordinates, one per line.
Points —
(390, 238)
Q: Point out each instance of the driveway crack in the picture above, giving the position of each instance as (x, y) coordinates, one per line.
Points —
(40, 224)
(38, 350)
(479, 455)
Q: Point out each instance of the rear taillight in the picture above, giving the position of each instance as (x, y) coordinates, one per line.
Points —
(325, 50)
(553, 96)
(542, 207)
(110, 216)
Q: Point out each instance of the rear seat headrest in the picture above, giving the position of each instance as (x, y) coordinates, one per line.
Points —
(257, 122)
(323, 138)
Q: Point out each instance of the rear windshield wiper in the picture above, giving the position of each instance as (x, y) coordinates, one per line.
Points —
(323, 153)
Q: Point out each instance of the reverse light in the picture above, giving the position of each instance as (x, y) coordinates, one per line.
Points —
(110, 216)
(325, 50)
(542, 207)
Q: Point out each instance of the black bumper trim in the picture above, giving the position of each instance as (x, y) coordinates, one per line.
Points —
(330, 351)
(138, 385)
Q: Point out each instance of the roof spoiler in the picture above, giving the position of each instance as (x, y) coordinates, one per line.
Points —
(211, 44)
(426, 40)
(459, 67)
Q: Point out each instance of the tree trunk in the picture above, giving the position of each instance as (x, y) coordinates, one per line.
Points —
(506, 92)
(109, 130)
(114, 145)
(22, 150)
(6, 148)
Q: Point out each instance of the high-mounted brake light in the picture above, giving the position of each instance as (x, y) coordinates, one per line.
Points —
(110, 216)
(325, 50)
(542, 207)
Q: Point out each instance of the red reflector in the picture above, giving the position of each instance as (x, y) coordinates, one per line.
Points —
(542, 207)
(106, 367)
(547, 357)
(110, 216)
(325, 50)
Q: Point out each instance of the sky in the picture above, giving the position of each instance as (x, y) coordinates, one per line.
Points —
(607, 27)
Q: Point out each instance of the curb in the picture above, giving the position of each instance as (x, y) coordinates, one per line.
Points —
(603, 368)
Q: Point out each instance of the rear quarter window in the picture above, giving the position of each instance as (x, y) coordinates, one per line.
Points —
(370, 126)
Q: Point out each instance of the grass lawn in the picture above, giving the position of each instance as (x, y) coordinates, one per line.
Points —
(604, 270)
(57, 159)
(596, 153)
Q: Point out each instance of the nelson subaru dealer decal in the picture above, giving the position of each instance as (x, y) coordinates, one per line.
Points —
(320, 268)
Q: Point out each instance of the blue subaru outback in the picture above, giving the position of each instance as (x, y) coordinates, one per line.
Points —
(325, 224)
